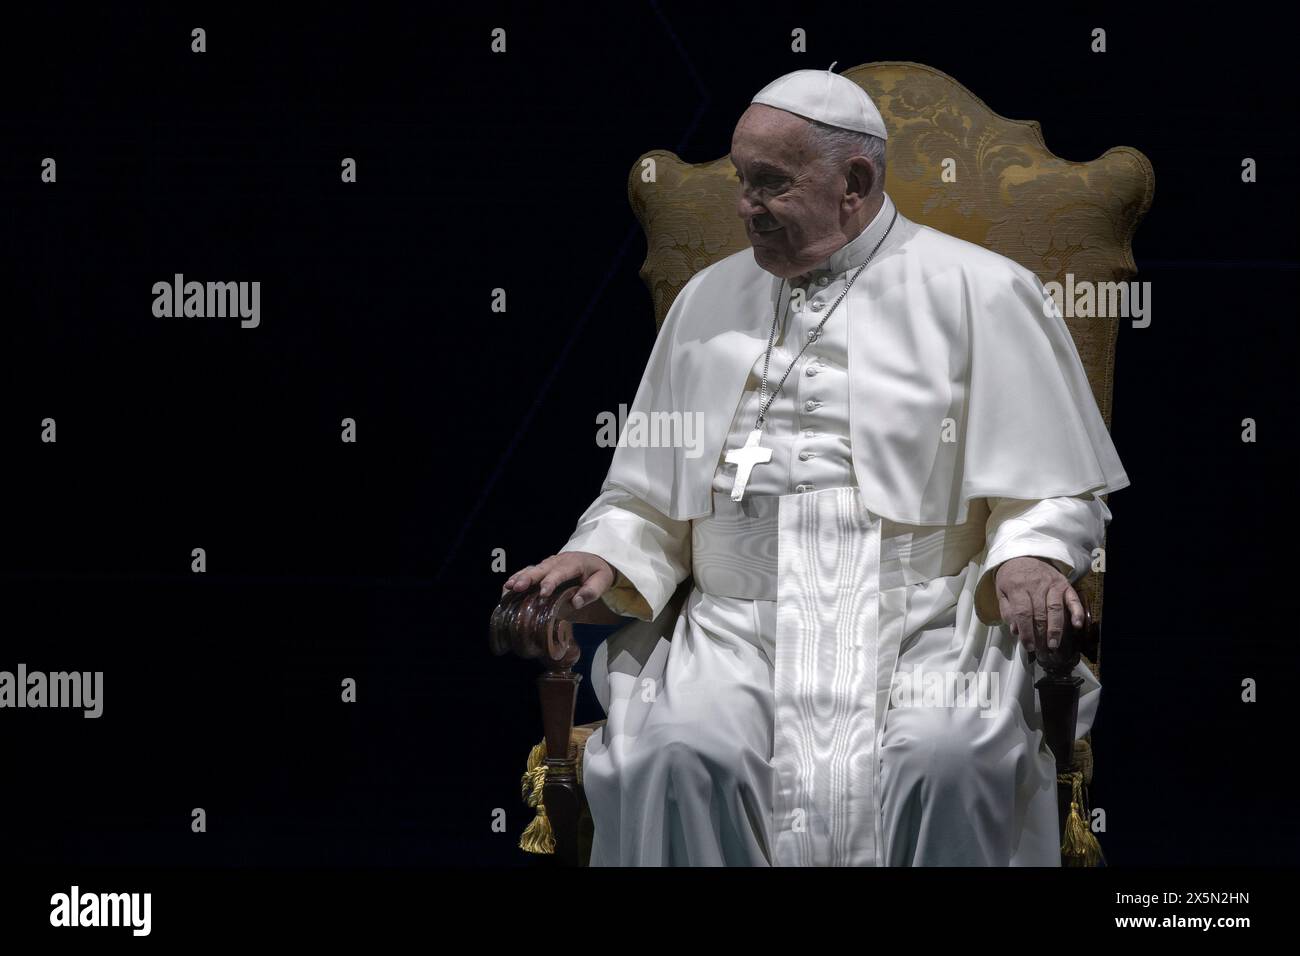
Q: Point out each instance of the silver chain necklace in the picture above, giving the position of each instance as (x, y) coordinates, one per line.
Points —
(764, 403)
(752, 453)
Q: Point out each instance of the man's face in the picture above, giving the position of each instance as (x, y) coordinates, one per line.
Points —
(791, 199)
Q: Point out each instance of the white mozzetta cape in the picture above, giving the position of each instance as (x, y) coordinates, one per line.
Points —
(938, 329)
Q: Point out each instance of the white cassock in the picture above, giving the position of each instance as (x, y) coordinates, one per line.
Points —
(838, 688)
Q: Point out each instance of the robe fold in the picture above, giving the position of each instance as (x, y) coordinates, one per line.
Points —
(837, 687)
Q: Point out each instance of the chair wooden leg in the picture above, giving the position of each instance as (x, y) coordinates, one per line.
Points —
(561, 796)
(534, 626)
(1059, 698)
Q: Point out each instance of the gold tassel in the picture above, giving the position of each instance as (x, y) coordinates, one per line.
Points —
(538, 837)
(1080, 846)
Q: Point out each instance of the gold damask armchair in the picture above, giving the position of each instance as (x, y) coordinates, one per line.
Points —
(1009, 194)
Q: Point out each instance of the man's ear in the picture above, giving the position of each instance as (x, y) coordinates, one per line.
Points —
(859, 181)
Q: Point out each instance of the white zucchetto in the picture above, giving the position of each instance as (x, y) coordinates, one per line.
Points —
(826, 97)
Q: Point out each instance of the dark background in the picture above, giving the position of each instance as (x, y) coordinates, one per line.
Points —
(373, 560)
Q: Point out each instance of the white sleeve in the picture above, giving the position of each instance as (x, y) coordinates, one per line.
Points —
(1061, 530)
(650, 552)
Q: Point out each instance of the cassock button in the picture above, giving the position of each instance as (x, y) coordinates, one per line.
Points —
(811, 405)
(823, 280)
(818, 306)
(811, 370)
(803, 487)
(809, 433)
(805, 455)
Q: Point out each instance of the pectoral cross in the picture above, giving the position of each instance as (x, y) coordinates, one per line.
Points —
(745, 459)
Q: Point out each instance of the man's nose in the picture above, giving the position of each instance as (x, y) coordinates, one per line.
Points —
(746, 209)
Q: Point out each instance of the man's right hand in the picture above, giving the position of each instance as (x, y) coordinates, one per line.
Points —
(594, 571)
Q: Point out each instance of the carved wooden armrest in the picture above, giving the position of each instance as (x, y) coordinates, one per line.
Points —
(1058, 696)
(537, 627)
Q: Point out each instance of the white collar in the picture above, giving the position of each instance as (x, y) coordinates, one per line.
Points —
(854, 252)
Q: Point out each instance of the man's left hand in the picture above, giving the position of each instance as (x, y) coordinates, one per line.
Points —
(1034, 598)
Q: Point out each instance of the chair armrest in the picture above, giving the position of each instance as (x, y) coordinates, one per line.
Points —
(534, 626)
(1058, 697)
(1058, 689)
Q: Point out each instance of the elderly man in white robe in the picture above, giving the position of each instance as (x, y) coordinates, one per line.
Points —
(899, 483)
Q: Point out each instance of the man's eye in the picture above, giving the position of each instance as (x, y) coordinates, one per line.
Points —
(763, 183)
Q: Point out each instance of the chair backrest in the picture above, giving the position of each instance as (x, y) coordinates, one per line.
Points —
(1007, 192)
